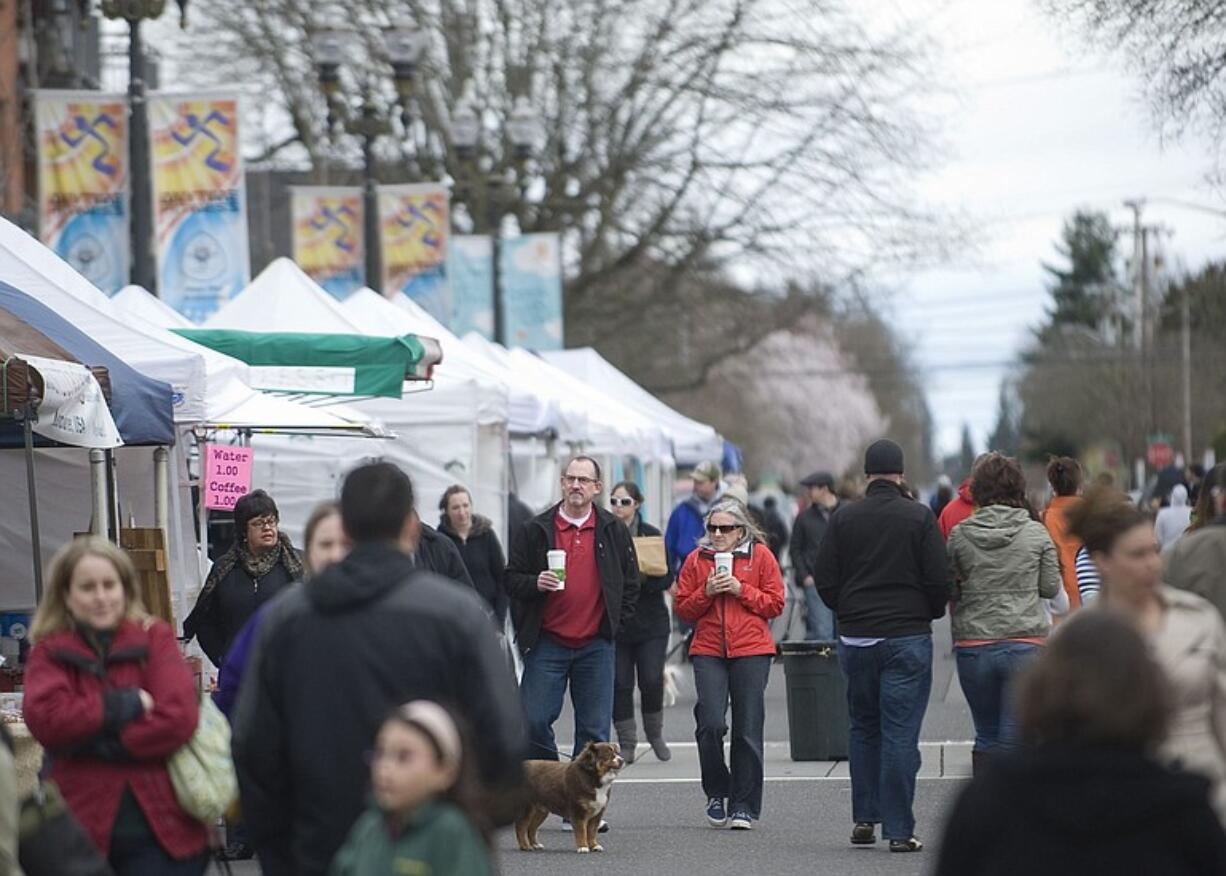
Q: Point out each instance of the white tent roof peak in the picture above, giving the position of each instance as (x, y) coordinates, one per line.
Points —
(139, 301)
(692, 441)
(284, 299)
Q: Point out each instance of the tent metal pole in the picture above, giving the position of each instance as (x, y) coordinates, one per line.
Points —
(97, 489)
(32, 493)
(161, 491)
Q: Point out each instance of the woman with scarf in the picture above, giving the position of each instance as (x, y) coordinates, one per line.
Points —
(260, 565)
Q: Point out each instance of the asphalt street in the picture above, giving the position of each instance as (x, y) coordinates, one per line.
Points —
(656, 809)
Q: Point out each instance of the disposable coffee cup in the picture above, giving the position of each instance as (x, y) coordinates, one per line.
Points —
(557, 565)
(723, 562)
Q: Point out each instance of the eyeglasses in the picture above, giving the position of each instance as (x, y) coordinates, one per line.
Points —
(263, 523)
(578, 479)
(621, 501)
(714, 528)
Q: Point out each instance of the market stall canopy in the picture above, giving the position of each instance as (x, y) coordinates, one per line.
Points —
(610, 426)
(140, 302)
(140, 405)
(283, 299)
(692, 441)
(323, 364)
(230, 401)
(465, 389)
(534, 409)
(38, 272)
(69, 401)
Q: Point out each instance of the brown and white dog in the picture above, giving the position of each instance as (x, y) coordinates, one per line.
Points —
(578, 791)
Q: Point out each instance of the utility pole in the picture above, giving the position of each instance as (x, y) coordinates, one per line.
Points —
(1138, 272)
(1186, 332)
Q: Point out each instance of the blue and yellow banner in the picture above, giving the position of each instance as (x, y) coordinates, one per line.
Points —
(414, 226)
(83, 182)
(199, 201)
(470, 268)
(532, 291)
(327, 225)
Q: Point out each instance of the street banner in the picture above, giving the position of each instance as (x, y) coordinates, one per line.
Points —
(327, 228)
(83, 182)
(199, 201)
(531, 267)
(470, 268)
(413, 231)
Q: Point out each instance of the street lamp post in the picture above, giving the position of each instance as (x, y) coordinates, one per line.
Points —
(485, 188)
(405, 45)
(143, 271)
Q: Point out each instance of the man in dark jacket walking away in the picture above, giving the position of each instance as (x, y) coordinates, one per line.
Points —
(882, 569)
(334, 656)
(566, 629)
(807, 534)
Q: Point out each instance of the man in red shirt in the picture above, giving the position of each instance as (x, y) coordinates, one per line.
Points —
(566, 631)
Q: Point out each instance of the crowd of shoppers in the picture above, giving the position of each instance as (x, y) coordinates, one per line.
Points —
(313, 657)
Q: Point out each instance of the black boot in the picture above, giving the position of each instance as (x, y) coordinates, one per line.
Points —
(653, 726)
(627, 738)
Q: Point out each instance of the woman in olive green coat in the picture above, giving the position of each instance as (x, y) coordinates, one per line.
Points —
(1004, 566)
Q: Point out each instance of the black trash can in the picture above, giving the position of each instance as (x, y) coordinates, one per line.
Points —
(817, 701)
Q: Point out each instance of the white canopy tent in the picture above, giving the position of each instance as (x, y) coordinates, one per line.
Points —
(467, 408)
(692, 441)
(138, 301)
(452, 433)
(587, 420)
(209, 390)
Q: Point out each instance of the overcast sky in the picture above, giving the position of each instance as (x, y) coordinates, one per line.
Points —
(1039, 126)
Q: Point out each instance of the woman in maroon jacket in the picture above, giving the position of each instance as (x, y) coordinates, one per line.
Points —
(110, 698)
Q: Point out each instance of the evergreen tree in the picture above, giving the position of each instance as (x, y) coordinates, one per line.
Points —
(1006, 436)
(966, 456)
(1082, 291)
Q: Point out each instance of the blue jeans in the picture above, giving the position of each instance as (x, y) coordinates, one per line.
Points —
(819, 620)
(986, 673)
(887, 695)
(743, 681)
(548, 668)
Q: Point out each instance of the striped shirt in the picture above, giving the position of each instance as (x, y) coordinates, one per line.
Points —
(1088, 580)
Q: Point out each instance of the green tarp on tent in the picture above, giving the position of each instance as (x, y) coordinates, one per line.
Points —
(325, 364)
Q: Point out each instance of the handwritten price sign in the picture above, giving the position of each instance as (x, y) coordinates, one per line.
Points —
(227, 475)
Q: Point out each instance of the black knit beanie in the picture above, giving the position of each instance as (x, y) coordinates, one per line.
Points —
(883, 457)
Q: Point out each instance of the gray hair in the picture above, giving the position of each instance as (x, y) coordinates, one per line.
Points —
(736, 509)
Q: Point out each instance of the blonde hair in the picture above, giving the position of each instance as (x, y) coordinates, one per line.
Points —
(52, 615)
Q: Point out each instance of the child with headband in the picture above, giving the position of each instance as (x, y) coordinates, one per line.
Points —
(420, 820)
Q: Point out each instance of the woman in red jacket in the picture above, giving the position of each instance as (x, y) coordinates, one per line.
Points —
(732, 651)
(110, 698)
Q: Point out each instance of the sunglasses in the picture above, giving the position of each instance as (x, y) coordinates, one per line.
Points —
(722, 530)
(621, 501)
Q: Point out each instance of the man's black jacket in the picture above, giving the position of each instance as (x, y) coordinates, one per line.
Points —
(332, 658)
(882, 566)
(616, 563)
(807, 535)
(438, 553)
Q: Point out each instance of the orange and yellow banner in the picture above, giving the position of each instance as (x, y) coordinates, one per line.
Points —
(83, 182)
(199, 201)
(414, 227)
(327, 224)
